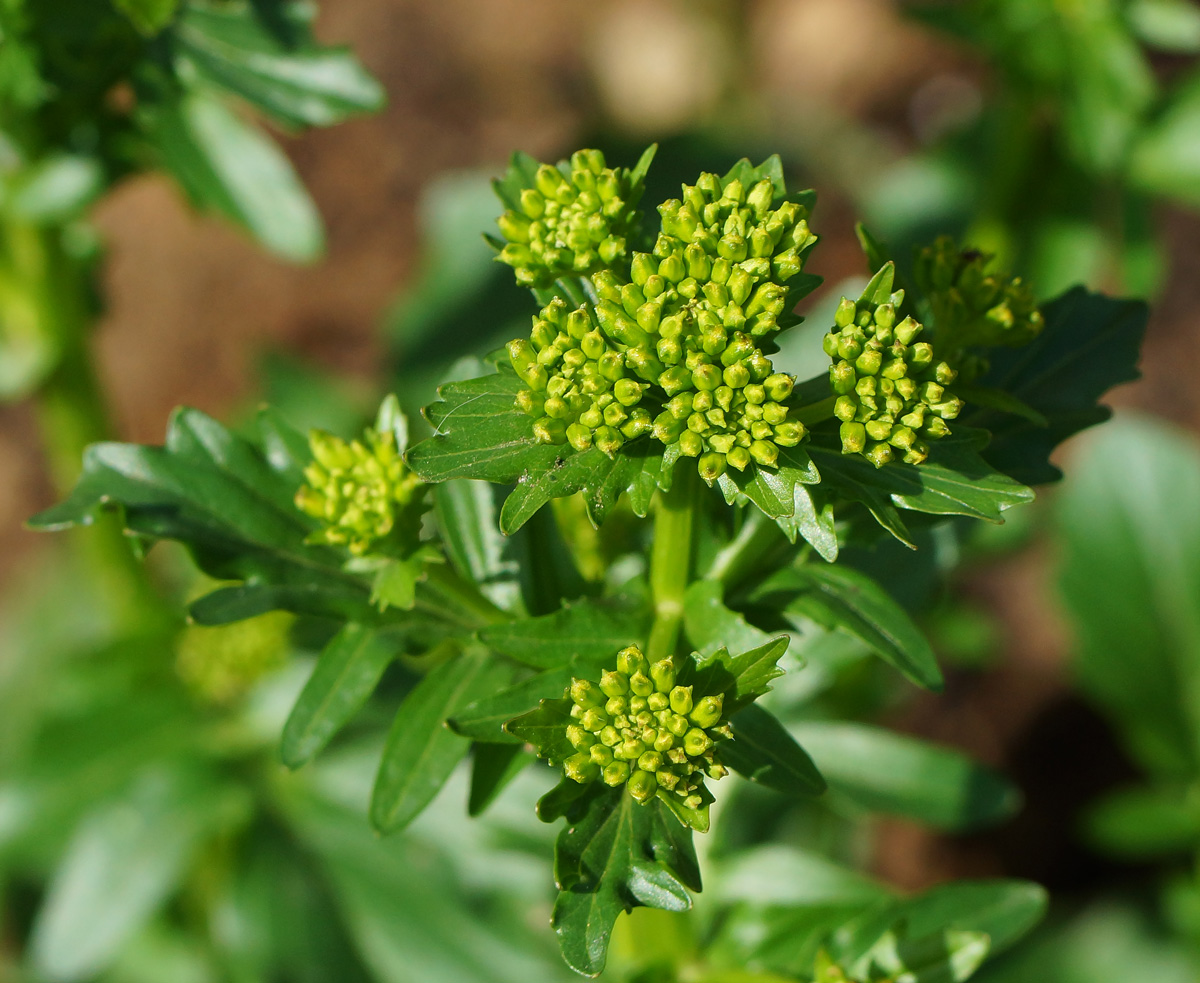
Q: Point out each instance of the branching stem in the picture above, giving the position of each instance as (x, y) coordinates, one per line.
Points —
(671, 560)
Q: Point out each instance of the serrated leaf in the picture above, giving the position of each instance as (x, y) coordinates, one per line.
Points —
(421, 751)
(818, 528)
(1090, 343)
(614, 855)
(903, 776)
(773, 490)
(545, 727)
(745, 677)
(283, 73)
(346, 674)
(838, 597)
(580, 633)
(484, 719)
(764, 752)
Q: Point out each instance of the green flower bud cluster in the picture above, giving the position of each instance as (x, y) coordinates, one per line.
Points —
(637, 728)
(573, 223)
(699, 309)
(891, 391)
(361, 492)
(972, 306)
(580, 389)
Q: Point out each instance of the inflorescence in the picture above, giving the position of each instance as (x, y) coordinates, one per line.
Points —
(891, 392)
(636, 727)
(361, 491)
(571, 224)
(676, 348)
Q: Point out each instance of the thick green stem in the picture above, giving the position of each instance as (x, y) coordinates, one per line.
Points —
(462, 596)
(671, 560)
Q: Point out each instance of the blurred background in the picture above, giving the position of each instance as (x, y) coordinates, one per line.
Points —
(1062, 136)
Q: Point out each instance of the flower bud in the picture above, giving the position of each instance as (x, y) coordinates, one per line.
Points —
(708, 711)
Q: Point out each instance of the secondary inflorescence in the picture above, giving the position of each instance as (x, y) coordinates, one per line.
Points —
(891, 391)
(571, 224)
(361, 491)
(972, 306)
(637, 728)
(677, 349)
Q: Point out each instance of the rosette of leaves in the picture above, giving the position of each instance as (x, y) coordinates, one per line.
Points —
(568, 220)
(890, 387)
(631, 797)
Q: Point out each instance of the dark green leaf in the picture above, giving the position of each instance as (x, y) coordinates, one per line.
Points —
(545, 727)
(148, 16)
(903, 776)
(774, 490)
(817, 528)
(484, 719)
(613, 856)
(340, 600)
(764, 752)
(282, 73)
(585, 632)
(345, 676)
(1090, 344)
(494, 766)
(421, 751)
(838, 597)
(469, 524)
(745, 677)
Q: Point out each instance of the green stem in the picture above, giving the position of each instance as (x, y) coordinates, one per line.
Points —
(746, 553)
(671, 561)
(815, 412)
(462, 596)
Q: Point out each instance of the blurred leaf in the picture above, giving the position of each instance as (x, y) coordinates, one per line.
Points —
(148, 16)
(345, 676)
(1145, 822)
(1166, 158)
(1090, 344)
(581, 633)
(227, 166)
(613, 855)
(903, 776)
(281, 72)
(421, 751)
(56, 188)
(1173, 25)
(1131, 580)
(838, 597)
(467, 519)
(124, 861)
(764, 752)
(774, 874)
(494, 766)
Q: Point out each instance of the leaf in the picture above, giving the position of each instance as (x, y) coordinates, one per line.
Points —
(877, 253)
(1130, 534)
(615, 855)
(818, 528)
(710, 625)
(227, 166)
(1140, 823)
(743, 678)
(903, 776)
(484, 719)
(148, 16)
(283, 73)
(421, 751)
(467, 518)
(495, 765)
(839, 597)
(338, 600)
(346, 674)
(1090, 343)
(581, 633)
(773, 490)
(124, 860)
(545, 727)
(764, 752)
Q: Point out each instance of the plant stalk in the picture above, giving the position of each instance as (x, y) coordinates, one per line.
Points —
(671, 561)
(463, 596)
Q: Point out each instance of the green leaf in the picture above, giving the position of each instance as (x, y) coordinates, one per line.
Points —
(877, 253)
(124, 860)
(148, 16)
(342, 601)
(545, 727)
(494, 766)
(710, 625)
(1173, 25)
(484, 719)
(764, 752)
(885, 772)
(346, 674)
(55, 188)
(582, 633)
(745, 677)
(1130, 530)
(467, 518)
(838, 597)
(773, 490)
(227, 166)
(1141, 823)
(283, 73)
(615, 855)
(1090, 344)
(818, 528)
(421, 751)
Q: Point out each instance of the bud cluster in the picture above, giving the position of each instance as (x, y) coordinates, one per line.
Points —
(891, 392)
(361, 491)
(636, 727)
(572, 224)
(972, 306)
(580, 389)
